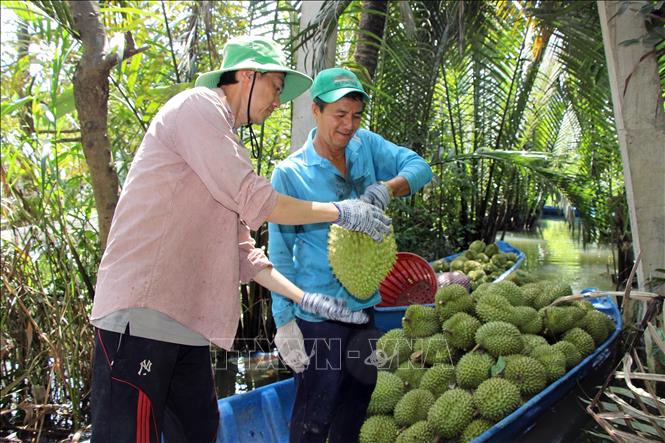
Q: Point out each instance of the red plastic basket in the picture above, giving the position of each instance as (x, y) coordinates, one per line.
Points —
(411, 281)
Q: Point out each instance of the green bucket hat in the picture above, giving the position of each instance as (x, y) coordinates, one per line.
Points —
(332, 84)
(257, 54)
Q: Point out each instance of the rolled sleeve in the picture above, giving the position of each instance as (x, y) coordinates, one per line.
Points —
(393, 160)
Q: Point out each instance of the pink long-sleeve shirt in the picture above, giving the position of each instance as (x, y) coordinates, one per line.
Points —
(180, 238)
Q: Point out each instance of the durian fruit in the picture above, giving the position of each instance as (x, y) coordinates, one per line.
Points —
(582, 340)
(420, 321)
(393, 348)
(452, 299)
(494, 307)
(477, 246)
(438, 379)
(359, 262)
(434, 349)
(451, 413)
(527, 373)
(552, 359)
(573, 355)
(495, 398)
(475, 429)
(413, 407)
(500, 338)
(491, 249)
(378, 429)
(529, 320)
(388, 391)
(473, 369)
(419, 432)
(595, 323)
(530, 292)
(510, 291)
(559, 319)
(460, 330)
(532, 341)
(551, 291)
(410, 372)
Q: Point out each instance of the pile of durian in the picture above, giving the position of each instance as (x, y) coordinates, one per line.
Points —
(455, 369)
(481, 263)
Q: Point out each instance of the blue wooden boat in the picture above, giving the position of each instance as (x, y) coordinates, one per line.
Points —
(263, 415)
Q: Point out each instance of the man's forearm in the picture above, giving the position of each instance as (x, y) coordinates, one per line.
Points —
(291, 211)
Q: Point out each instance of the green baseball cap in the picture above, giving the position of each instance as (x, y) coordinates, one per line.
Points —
(332, 84)
(257, 54)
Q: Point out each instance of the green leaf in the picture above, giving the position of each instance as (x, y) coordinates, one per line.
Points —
(498, 367)
(629, 42)
(8, 107)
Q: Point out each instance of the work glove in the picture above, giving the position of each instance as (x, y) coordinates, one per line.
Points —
(291, 346)
(377, 194)
(331, 308)
(357, 215)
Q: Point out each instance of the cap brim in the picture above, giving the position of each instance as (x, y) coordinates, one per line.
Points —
(333, 96)
(295, 83)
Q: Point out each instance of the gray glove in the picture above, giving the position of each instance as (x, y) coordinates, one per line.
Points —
(377, 194)
(356, 215)
(291, 346)
(331, 308)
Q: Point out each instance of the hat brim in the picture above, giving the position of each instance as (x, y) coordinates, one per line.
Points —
(333, 96)
(295, 83)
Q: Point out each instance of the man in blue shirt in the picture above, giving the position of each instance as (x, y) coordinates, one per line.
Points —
(338, 161)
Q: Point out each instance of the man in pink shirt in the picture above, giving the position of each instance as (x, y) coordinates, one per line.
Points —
(180, 244)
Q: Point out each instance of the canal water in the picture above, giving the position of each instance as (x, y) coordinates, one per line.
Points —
(552, 250)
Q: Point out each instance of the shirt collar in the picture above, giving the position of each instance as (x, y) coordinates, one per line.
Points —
(313, 158)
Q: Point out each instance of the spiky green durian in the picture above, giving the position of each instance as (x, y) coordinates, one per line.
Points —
(420, 432)
(494, 307)
(434, 349)
(393, 348)
(438, 379)
(452, 299)
(477, 246)
(378, 429)
(388, 391)
(573, 355)
(527, 373)
(500, 338)
(510, 291)
(474, 430)
(559, 319)
(595, 323)
(582, 340)
(451, 413)
(458, 263)
(473, 369)
(410, 372)
(360, 263)
(491, 249)
(495, 398)
(529, 320)
(532, 341)
(472, 265)
(460, 330)
(413, 407)
(420, 321)
(530, 292)
(552, 359)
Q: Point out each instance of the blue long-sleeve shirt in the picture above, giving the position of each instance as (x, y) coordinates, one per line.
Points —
(301, 252)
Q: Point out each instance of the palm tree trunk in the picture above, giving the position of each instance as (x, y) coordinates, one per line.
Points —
(370, 35)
